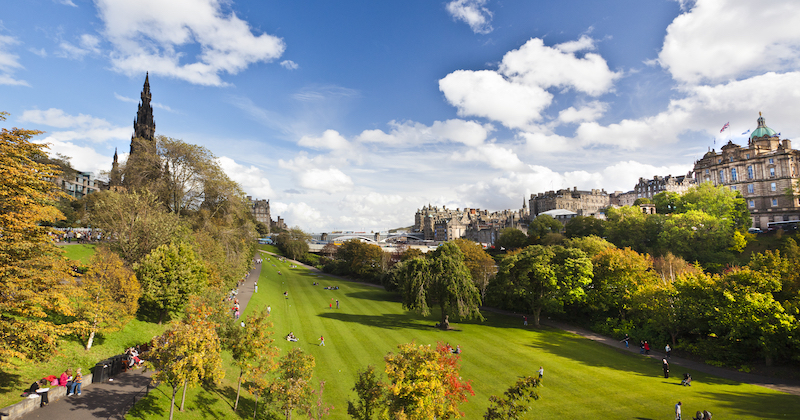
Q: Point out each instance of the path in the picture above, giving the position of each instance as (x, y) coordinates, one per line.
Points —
(113, 399)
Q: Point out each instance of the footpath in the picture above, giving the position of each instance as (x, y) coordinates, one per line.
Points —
(111, 400)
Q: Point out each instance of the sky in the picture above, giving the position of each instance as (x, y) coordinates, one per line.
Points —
(352, 115)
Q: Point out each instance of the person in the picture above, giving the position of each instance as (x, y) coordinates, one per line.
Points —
(699, 416)
(255, 287)
(626, 340)
(457, 349)
(40, 388)
(541, 372)
(286, 294)
(321, 341)
(75, 389)
(706, 415)
(337, 303)
(678, 411)
(65, 378)
(668, 350)
(236, 314)
(687, 380)
(269, 309)
(665, 365)
(646, 347)
(291, 337)
(525, 320)
(641, 347)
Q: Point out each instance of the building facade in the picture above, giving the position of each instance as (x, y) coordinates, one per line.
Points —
(584, 203)
(763, 172)
(648, 188)
(443, 224)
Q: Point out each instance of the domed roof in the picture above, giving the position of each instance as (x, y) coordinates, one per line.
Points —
(762, 129)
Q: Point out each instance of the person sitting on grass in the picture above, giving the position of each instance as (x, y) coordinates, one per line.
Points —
(291, 337)
(456, 350)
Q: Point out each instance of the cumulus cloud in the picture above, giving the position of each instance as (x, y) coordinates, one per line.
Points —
(496, 156)
(253, 180)
(9, 62)
(330, 139)
(590, 112)
(290, 65)
(83, 127)
(300, 214)
(719, 40)
(410, 133)
(515, 94)
(156, 35)
(82, 158)
(473, 13)
(87, 44)
(317, 173)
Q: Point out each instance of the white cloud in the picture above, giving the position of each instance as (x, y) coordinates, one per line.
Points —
(330, 139)
(318, 173)
(82, 158)
(9, 62)
(547, 142)
(473, 13)
(66, 3)
(87, 44)
(411, 134)
(152, 35)
(300, 214)
(290, 65)
(585, 42)
(253, 180)
(718, 40)
(591, 112)
(496, 156)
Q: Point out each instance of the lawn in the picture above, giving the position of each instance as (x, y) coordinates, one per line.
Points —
(581, 377)
(80, 253)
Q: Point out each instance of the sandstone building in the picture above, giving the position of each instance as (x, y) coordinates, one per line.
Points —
(584, 203)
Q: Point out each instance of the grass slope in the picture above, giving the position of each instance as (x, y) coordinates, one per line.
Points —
(581, 377)
(80, 253)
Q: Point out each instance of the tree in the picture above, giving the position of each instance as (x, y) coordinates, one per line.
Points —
(169, 276)
(425, 383)
(187, 353)
(110, 294)
(667, 202)
(252, 348)
(511, 238)
(293, 243)
(591, 245)
(370, 392)
(629, 227)
(134, 223)
(719, 202)
(545, 277)
(481, 266)
(580, 226)
(514, 403)
(617, 274)
(319, 410)
(188, 170)
(698, 236)
(292, 388)
(361, 260)
(442, 279)
(35, 281)
(540, 227)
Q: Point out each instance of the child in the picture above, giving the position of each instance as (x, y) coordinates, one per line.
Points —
(321, 341)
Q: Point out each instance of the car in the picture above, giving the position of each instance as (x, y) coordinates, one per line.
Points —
(754, 230)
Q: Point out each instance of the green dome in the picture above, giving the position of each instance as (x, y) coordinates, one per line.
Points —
(762, 129)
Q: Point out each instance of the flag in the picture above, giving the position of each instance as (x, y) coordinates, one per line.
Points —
(746, 132)
(727, 124)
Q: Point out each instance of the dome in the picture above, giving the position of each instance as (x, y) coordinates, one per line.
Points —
(762, 129)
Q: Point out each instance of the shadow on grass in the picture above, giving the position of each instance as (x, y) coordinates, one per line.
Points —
(205, 406)
(11, 382)
(755, 404)
(390, 321)
(149, 407)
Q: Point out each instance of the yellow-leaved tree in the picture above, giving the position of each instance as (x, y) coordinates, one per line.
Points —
(35, 281)
(110, 294)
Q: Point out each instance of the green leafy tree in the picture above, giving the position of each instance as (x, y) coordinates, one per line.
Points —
(424, 383)
(541, 226)
(361, 260)
(293, 243)
(480, 264)
(252, 348)
(442, 279)
(110, 294)
(617, 274)
(629, 227)
(35, 281)
(580, 226)
(698, 236)
(667, 202)
(591, 245)
(719, 202)
(511, 238)
(169, 276)
(514, 403)
(292, 388)
(545, 277)
(370, 392)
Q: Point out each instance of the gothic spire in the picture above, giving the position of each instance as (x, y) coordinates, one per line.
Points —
(144, 126)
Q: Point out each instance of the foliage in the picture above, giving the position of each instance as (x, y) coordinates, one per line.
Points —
(541, 277)
(319, 410)
(424, 383)
(580, 226)
(169, 276)
(698, 236)
(591, 245)
(669, 267)
(442, 279)
(718, 202)
(514, 403)
(618, 273)
(292, 388)
(480, 264)
(629, 227)
(370, 392)
(252, 349)
(541, 226)
(110, 295)
(293, 243)
(360, 259)
(666, 202)
(35, 282)
(511, 238)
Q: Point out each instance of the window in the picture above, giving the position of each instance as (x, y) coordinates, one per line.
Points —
(750, 172)
(719, 160)
(751, 189)
(747, 156)
(706, 171)
(734, 188)
(772, 172)
(721, 175)
(751, 203)
(730, 159)
(773, 186)
(733, 174)
(774, 202)
(771, 161)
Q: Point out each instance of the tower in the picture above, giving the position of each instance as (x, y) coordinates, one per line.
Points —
(144, 126)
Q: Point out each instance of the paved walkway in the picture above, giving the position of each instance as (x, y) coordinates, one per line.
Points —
(112, 400)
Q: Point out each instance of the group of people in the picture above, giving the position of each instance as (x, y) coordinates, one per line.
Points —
(67, 380)
(700, 415)
(132, 358)
(456, 350)
(235, 309)
(291, 337)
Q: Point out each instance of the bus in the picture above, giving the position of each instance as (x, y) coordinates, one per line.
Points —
(786, 225)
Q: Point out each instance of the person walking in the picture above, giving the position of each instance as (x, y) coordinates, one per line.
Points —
(321, 341)
(678, 411)
(255, 287)
(665, 365)
(525, 320)
(641, 347)
(337, 303)
(626, 340)
(541, 372)
(668, 350)
(646, 348)
(269, 309)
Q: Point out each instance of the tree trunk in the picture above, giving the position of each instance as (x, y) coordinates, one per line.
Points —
(238, 388)
(161, 317)
(255, 408)
(172, 406)
(91, 339)
(674, 337)
(183, 399)
(536, 313)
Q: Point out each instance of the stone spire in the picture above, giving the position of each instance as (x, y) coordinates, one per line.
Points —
(144, 126)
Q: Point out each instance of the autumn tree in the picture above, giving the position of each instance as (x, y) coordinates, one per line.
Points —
(252, 348)
(424, 383)
(35, 281)
(591, 245)
(719, 202)
(370, 392)
(110, 294)
(292, 388)
(481, 266)
(617, 274)
(444, 279)
(541, 277)
(169, 276)
(318, 410)
(514, 403)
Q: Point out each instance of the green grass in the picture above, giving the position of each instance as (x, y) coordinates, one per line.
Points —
(581, 376)
(80, 253)
(72, 354)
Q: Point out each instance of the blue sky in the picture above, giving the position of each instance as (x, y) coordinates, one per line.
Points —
(352, 115)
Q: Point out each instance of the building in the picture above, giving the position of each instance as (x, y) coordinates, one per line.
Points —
(584, 203)
(443, 224)
(763, 172)
(142, 139)
(79, 184)
(648, 188)
(260, 211)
